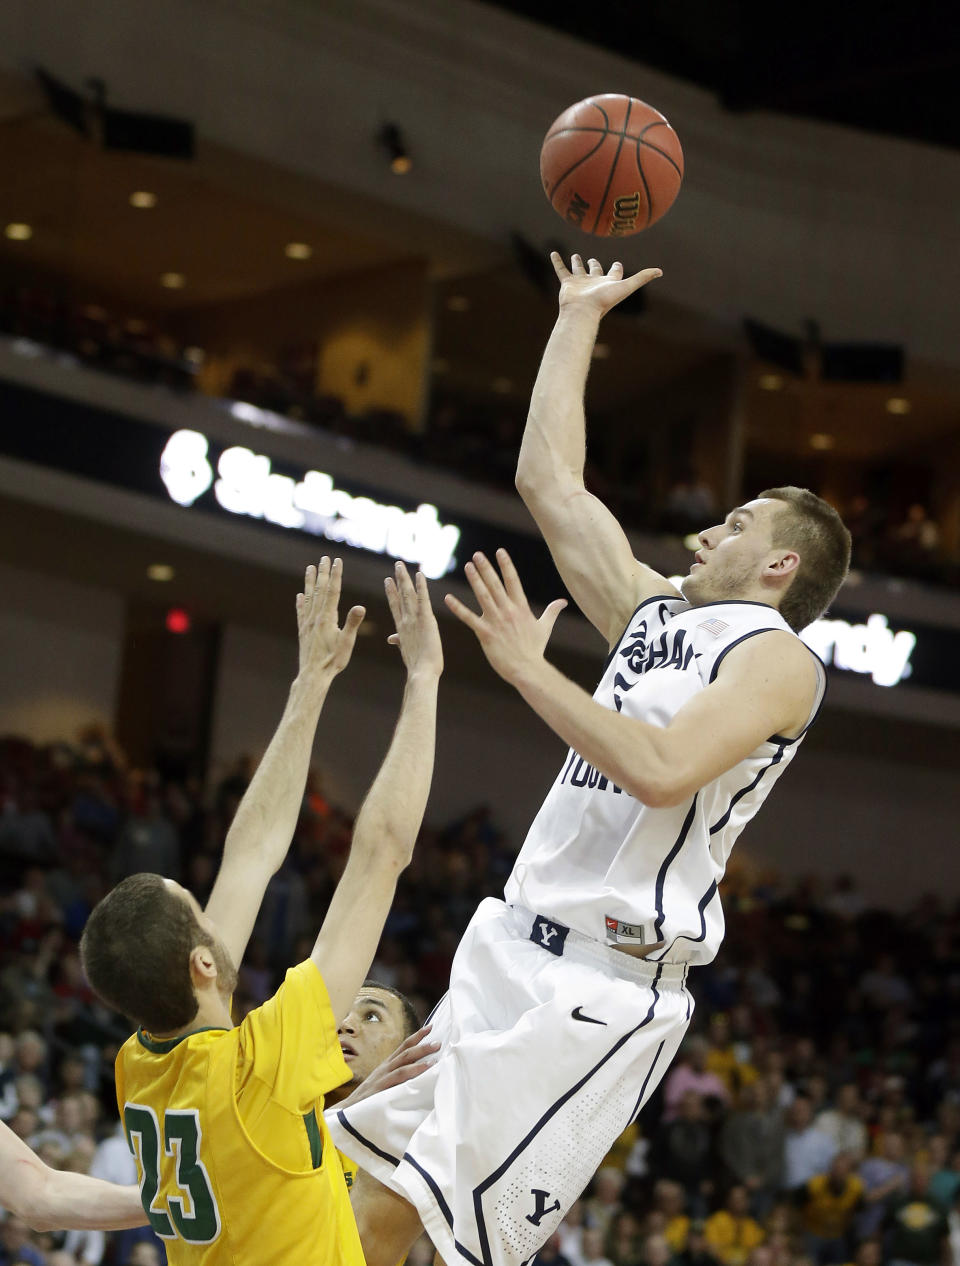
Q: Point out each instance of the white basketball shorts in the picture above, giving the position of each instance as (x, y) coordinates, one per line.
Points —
(551, 1045)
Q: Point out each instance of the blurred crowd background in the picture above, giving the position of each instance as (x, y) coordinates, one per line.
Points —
(812, 1118)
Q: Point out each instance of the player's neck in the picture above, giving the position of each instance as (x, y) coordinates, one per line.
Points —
(212, 1013)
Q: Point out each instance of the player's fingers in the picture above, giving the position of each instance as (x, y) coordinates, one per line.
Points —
(393, 598)
(559, 267)
(511, 581)
(423, 589)
(463, 614)
(480, 591)
(489, 578)
(330, 599)
(309, 583)
(408, 595)
(549, 617)
(641, 278)
(595, 267)
(616, 270)
(351, 625)
(576, 266)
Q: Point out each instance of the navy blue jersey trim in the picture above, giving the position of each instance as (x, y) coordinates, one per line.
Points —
(702, 904)
(371, 1147)
(736, 602)
(442, 1206)
(667, 861)
(727, 649)
(435, 1010)
(479, 1191)
(657, 597)
(722, 821)
(825, 681)
(638, 1106)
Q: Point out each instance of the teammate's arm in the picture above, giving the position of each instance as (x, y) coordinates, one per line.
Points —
(58, 1200)
(765, 686)
(588, 545)
(263, 827)
(389, 820)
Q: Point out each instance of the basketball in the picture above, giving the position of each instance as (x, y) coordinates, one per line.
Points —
(611, 165)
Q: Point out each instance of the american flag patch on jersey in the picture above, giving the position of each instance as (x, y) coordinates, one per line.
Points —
(716, 627)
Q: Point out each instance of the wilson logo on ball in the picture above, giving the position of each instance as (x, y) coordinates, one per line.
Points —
(625, 213)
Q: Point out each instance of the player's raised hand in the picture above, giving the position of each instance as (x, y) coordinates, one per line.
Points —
(510, 634)
(590, 286)
(325, 647)
(417, 635)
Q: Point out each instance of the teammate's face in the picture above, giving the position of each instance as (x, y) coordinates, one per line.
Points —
(373, 1029)
(732, 555)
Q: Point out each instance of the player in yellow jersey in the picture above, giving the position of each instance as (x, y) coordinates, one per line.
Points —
(379, 1022)
(235, 1161)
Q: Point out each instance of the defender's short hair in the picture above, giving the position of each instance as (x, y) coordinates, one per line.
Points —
(813, 528)
(136, 951)
(411, 1021)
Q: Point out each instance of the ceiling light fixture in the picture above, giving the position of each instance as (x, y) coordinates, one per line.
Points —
(161, 572)
(898, 405)
(821, 441)
(173, 281)
(18, 232)
(458, 303)
(298, 250)
(770, 382)
(143, 199)
(391, 140)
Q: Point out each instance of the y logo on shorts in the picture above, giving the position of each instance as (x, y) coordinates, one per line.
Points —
(549, 935)
(542, 1209)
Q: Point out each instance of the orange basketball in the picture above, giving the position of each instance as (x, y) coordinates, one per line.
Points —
(611, 165)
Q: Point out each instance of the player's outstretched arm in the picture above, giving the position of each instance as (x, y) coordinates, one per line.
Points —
(389, 820)
(263, 827)
(591, 550)
(766, 686)
(58, 1200)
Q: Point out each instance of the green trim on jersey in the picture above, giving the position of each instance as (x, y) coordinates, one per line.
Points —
(165, 1046)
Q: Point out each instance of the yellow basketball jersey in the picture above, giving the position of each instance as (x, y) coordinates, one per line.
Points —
(235, 1161)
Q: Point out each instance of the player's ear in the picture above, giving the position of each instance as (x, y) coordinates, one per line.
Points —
(203, 967)
(783, 564)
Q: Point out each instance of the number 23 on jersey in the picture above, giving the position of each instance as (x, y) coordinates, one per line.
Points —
(180, 1204)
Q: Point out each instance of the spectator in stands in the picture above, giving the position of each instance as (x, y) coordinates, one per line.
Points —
(752, 1145)
(684, 1152)
(807, 1151)
(731, 1233)
(843, 1123)
(691, 1074)
(916, 1225)
(829, 1202)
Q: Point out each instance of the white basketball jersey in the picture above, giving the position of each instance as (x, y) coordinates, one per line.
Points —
(620, 871)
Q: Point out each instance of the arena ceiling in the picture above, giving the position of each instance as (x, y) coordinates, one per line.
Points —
(884, 68)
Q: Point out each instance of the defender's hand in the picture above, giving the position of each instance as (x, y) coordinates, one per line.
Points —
(411, 1058)
(417, 635)
(510, 634)
(593, 288)
(325, 648)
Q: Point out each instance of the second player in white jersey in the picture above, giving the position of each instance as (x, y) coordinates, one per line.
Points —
(623, 872)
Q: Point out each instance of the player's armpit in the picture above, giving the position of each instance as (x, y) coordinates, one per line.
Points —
(593, 556)
(765, 687)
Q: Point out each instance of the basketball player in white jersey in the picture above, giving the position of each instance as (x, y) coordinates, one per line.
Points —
(568, 1000)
